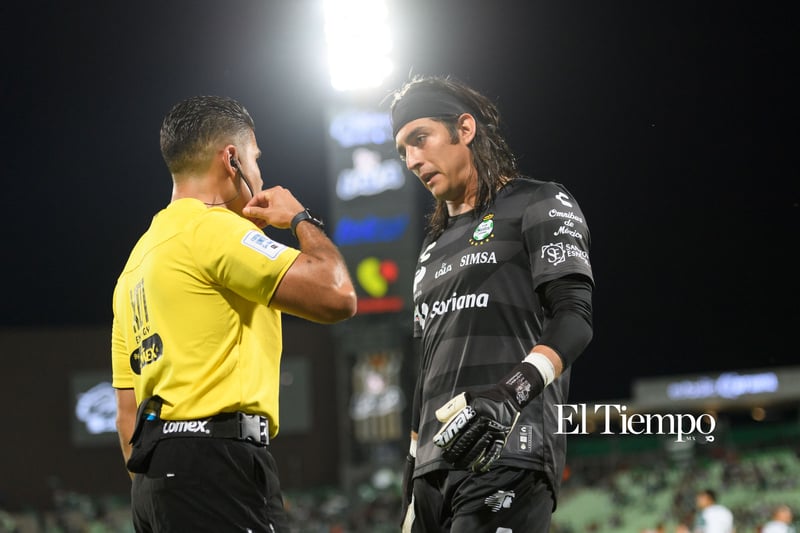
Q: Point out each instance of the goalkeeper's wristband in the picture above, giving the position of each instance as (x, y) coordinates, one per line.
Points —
(543, 365)
(523, 384)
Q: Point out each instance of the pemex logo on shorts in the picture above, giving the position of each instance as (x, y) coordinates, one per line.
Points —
(483, 231)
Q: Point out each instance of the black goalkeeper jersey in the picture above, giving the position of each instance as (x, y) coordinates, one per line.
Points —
(478, 314)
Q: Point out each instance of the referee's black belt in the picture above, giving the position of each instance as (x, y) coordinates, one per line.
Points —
(151, 428)
(240, 426)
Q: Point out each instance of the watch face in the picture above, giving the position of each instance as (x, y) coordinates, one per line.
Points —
(308, 216)
(314, 219)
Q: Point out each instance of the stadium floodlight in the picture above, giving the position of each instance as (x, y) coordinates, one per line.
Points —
(359, 43)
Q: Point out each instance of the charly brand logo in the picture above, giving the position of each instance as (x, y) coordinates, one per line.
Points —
(564, 199)
(418, 277)
(524, 442)
(426, 253)
(483, 232)
(573, 420)
(502, 499)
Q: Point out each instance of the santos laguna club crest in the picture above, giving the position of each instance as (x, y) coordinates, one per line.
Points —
(484, 231)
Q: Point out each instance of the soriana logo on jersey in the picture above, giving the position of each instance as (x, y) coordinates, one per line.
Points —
(376, 277)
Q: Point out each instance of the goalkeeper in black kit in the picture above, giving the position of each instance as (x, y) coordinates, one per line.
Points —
(502, 308)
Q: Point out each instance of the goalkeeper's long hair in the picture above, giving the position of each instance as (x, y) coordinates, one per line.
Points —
(494, 162)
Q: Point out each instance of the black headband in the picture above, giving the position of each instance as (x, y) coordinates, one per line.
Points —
(426, 103)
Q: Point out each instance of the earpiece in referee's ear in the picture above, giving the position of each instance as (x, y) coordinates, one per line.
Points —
(234, 163)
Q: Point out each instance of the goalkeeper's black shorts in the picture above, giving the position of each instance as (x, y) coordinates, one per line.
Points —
(502, 499)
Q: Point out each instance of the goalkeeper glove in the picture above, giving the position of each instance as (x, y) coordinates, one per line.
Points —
(475, 425)
(408, 485)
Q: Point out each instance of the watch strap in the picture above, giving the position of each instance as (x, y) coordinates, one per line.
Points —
(307, 216)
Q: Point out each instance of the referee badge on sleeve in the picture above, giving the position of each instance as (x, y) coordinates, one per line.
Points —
(263, 244)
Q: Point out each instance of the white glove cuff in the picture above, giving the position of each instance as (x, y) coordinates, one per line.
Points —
(543, 365)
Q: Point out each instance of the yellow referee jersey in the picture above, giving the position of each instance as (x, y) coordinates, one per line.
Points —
(191, 317)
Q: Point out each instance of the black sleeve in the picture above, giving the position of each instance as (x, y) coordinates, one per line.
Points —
(568, 316)
(416, 400)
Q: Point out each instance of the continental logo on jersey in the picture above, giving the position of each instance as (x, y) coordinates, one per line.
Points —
(483, 232)
(263, 244)
(149, 351)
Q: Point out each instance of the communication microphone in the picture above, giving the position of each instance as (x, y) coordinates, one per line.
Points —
(235, 164)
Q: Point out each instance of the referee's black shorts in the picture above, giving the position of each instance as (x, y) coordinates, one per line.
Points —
(503, 500)
(208, 484)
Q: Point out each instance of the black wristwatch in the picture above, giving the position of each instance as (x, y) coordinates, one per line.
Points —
(305, 214)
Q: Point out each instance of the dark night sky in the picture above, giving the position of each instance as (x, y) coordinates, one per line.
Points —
(669, 121)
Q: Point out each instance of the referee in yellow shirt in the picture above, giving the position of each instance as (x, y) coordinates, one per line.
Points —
(196, 337)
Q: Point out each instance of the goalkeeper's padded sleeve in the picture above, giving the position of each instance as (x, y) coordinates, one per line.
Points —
(568, 306)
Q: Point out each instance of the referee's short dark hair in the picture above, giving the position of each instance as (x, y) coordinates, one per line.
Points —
(197, 126)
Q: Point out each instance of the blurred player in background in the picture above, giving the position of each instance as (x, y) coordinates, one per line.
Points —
(781, 521)
(711, 516)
